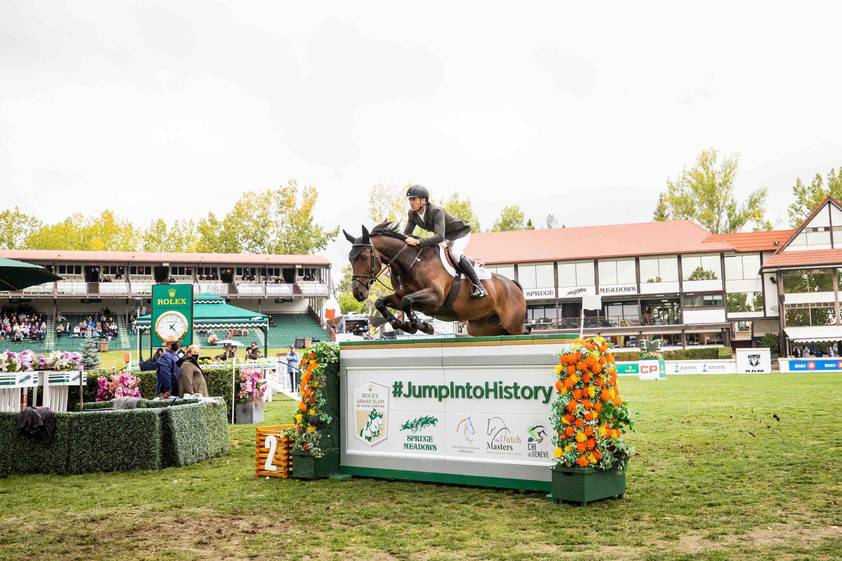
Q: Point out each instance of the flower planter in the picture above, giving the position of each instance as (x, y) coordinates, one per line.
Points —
(585, 485)
(305, 466)
(248, 413)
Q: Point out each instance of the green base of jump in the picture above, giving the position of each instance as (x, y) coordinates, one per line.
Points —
(452, 478)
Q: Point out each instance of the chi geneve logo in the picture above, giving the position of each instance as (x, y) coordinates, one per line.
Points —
(371, 410)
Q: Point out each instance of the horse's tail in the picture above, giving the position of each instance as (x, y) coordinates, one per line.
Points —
(527, 329)
(517, 284)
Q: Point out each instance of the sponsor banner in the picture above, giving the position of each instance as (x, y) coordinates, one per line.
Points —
(574, 291)
(713, 366)
(810, 365)
(618, 289)
(538, 293)
(628, 368)
(652, 370)
(754, 361)
(491, 415)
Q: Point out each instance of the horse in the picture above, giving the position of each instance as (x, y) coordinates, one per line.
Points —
(421, 283)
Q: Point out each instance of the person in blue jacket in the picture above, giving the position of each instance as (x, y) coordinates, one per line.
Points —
(166, 378)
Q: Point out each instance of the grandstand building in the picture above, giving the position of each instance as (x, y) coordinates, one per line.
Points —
(676, 281)
(288, 288)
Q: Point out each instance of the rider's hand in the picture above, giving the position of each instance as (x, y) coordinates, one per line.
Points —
(412, 241)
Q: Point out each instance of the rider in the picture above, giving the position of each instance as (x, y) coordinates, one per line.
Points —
(435, 219)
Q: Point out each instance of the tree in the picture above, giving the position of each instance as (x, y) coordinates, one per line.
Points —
(704, 193)
(530, 225)
(105, 232)
(511, 218)
(661, 210)
(551, 221)
(462, 208)
(15, 227)
(348, 304)
(807, 197)
(90, 356)
(180, 236)
(387, 202)
(277, 221)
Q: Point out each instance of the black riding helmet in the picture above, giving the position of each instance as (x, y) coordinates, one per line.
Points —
(418, 191)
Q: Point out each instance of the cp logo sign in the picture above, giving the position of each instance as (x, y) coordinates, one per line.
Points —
(649, 368)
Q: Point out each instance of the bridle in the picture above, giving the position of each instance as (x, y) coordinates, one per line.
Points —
(375, 270)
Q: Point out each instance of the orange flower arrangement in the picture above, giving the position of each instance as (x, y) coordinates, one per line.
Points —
(311, 417)
(588, 413)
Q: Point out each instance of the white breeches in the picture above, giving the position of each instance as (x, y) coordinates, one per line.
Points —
(457, 249)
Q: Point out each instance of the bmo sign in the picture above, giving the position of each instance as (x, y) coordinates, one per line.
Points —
(652, 370)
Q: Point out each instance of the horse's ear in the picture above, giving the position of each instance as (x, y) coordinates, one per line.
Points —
(349, 237)
(365, 235)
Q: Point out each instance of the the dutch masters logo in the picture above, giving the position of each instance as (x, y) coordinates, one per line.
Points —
(371, 407)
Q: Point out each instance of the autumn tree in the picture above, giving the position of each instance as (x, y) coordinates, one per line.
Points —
(180, 236)
(105, 232)
(705, 194)
(387, 202)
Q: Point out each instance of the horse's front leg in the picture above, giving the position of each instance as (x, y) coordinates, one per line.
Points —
(382, 305)
(425, 299)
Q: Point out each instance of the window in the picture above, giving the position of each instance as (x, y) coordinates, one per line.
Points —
(621, 314)
(742, 267)
(620, 271)
(744, 302)
(576, 273)
(822, 313)
(808, 280)
(536, 276)
(703, 301)
(507, 271)
(541, 315)
(660, 312)
(658, 269)
(700, 267)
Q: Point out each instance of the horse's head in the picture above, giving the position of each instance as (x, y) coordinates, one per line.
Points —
(364, 264)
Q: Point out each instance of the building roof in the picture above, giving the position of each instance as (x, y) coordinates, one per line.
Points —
(812, 258)
(162, 257)
(754, 241)
(589, 242)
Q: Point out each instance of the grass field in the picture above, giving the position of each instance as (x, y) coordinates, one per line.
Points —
(727, 467)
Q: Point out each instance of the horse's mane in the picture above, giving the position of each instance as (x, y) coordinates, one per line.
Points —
(388, 229)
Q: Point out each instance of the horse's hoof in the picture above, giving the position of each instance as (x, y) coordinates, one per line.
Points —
(427, 328)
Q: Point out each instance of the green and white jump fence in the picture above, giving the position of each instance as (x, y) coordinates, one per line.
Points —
(54, 385)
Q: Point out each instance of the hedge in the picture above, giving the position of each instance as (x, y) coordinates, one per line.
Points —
(218, 380)
(707, 353)
(153, 436)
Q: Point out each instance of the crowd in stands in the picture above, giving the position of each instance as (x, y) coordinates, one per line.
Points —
(99, 325)
(22, 323)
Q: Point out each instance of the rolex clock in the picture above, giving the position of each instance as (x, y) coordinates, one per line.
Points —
(171, 325)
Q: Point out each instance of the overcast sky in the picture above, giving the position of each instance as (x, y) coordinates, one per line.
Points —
(173, 109)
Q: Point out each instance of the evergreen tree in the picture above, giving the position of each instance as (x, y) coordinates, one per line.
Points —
(90, 355)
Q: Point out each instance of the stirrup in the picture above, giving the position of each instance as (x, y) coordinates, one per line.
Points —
(478, 291)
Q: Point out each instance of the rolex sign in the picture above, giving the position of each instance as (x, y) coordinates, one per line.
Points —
(172, 314)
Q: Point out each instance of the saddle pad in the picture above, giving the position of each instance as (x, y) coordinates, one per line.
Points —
(482, 272)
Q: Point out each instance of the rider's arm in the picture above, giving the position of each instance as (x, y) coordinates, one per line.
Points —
(438, 229)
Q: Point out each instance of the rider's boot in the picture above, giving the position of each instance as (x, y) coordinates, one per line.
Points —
(467, 268)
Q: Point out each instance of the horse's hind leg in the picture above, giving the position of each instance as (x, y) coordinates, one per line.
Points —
(486, 327)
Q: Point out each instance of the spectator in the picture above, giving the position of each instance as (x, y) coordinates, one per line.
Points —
(253, 353)
(166, 378)
(212, 339)
(227, 353)
(292, 368)
(192, 379)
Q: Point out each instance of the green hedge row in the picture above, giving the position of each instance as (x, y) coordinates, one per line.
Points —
(218, 380)
(150, 437)
(707, 353)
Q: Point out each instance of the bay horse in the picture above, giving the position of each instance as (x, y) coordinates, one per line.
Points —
(421, 283)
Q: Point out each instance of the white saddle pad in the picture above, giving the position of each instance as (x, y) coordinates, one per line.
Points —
(482, 272)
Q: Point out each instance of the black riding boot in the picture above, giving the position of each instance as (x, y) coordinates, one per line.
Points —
(467, 268)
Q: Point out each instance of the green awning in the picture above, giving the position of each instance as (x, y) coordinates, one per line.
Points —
(211, 312)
